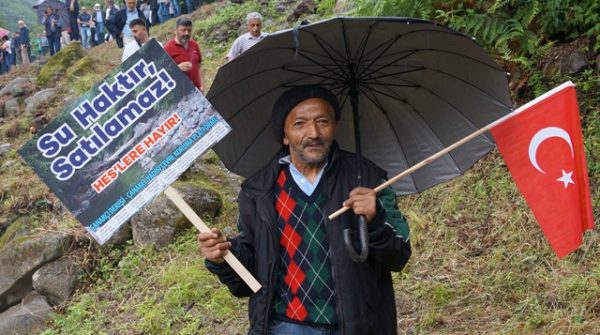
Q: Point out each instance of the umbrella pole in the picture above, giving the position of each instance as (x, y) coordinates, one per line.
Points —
(362, 221)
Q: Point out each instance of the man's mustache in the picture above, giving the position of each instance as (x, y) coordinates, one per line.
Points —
(310, 142)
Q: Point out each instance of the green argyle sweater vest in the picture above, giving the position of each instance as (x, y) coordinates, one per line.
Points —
(304, 291)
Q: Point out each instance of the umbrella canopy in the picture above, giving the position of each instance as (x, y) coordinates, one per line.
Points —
(418, 87)
(4, 32)
(59, 8)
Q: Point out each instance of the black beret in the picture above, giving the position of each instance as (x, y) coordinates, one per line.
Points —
(289, 99)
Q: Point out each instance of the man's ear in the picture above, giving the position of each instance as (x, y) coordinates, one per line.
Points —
(285, 140)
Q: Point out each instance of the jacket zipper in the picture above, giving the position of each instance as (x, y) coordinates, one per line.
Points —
(271, 273)
(333, 272)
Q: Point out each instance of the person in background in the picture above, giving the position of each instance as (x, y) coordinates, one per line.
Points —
(98, 19)
(174, 6)
(111, 9)
(24, 42)
(53, 29)
(5, 50)
(37, 44)
(141, 36)
(163, 10)
(190, 6)
(15, 48)
(186, 52)
(147, 10)
(44, 43)
(74, 15)
(85, 22)
(154, 12)
(3, 69)
(118, 24)
(249, 39)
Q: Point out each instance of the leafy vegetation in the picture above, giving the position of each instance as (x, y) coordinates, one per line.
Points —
(480, 263)
(12, 11)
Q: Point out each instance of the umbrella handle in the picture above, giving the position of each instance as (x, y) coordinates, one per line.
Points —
(364, 238)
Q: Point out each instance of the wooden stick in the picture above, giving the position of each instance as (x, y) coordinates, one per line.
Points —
(456, 145)
(189, 213)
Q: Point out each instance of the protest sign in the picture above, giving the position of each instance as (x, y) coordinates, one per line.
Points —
(124, 141)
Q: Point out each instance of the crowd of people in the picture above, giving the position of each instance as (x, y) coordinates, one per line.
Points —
(91, 26)
(15, 50)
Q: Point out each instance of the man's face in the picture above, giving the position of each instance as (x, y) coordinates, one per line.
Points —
(140, 33)
(130, 4)
(254, 27)
(183, 33)
(49, 11)
(309, 129)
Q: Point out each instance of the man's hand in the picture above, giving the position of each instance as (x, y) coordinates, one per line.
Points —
(185, 66)
(214, 246)
(362, 200)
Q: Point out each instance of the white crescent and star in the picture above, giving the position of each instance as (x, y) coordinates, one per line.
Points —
(539, 138)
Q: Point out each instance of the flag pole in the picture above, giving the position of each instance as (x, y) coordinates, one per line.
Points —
(457, 144)
(235, 264)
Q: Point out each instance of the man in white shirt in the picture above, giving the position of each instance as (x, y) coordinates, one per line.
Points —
(246, 41)
(140, 35)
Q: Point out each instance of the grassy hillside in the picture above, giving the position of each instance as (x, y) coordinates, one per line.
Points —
(480, 263)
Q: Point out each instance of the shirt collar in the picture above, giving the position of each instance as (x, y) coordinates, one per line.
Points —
(287, 160)
(250, 37)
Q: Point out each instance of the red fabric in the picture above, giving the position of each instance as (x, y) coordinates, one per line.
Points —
(558, 189)
(191, 54)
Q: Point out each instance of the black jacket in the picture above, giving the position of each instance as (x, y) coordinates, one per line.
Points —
(364, 291)
(116, 23)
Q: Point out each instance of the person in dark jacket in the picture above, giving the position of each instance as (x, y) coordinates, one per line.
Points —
(310, 285)
(52, 27)
(24, 42)
(74, 16)
(118, 24)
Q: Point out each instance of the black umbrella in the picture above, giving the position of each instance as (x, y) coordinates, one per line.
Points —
(59, 7)
(412, 87)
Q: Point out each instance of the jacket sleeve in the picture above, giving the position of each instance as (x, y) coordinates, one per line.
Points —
(242, 247)
(389, 240)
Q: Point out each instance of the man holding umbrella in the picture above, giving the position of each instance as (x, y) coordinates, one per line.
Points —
(52, 27)
(310, 283)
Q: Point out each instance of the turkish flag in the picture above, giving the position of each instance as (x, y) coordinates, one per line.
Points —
(543, 149)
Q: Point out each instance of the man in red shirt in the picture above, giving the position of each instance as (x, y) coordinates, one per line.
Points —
(186, 52)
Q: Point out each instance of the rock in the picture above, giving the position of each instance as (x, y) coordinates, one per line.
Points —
(17, 91)
(27, 318)
(221, 36)
(4, 148)
(34, 101)
(577, 62)
(121, 236)
(160, 222)
(342, 7)
(11, 108)
(282, 5)
(57, 65)
(305, 7)
(21, 257)
(10, 86)
(57, 280)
